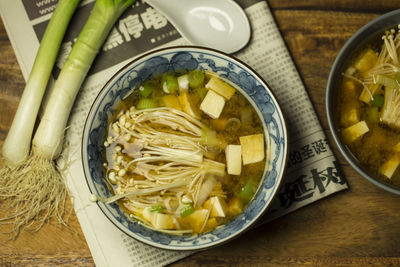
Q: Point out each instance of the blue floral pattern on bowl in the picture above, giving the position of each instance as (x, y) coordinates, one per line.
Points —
(185, 58)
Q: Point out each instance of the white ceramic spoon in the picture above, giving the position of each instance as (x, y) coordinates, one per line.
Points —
(218, 24)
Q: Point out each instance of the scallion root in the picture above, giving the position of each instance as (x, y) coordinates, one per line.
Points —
(31, 194)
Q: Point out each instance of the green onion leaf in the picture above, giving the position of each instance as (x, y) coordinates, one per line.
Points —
(169, 84)
(156, 208)
(247, 191)
(146, 89)
(378, 101)
(145, 103)
(196, 78)
(186, 209)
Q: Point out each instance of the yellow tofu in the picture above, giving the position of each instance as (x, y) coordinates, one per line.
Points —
(350, 116)
(212, 104)
(218, 207)
(233, 155)
(163, 221)
(252, 148)
(355, 131)
(235, 206)
(397, 147)
(390, 166)
(171, 101)
(366, 61)
(197, 219)
(220, 87)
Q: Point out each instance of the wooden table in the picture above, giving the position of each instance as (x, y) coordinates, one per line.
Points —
(356, 227)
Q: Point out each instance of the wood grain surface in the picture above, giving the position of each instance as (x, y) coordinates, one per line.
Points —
(356, 227)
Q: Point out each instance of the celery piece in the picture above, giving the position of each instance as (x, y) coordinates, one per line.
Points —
(378, 101)
(196, 78)
(146, 89)
(145, 103)
(169, 84)
(186, 209)
(156, 208)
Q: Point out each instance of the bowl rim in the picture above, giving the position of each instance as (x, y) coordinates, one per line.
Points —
(366, 32)
(284, 136)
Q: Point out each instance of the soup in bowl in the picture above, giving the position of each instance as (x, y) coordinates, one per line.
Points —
(184, 148)
(363, 101)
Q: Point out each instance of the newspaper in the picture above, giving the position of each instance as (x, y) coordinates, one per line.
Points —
(312, 171)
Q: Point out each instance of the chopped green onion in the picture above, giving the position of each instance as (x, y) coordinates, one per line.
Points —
(247, 191)
(209, 137)
(378, 101)
(145, 103)
(146, 89)
(201, 92)
(186, 209)
(156, 208)
(169, 84)
(196, 78)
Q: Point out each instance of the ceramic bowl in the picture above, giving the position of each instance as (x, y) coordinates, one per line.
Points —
(185, 58)
(368, 33)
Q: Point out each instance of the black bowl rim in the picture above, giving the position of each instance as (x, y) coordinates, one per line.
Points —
(369, 30)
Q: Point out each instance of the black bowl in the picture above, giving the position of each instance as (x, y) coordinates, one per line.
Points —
(368, 33)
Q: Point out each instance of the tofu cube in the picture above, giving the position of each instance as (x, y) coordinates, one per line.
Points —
(390, 166)
(220, 87)
(218, 207)
(197, 219)
(171, 101)
(233, 155)
(355, 131)
(252, 148)
(163, 221)
(212, 104)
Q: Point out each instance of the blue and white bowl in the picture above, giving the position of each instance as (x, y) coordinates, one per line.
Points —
(185, 58)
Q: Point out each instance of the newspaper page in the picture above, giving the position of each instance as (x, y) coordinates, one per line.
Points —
(312, 171)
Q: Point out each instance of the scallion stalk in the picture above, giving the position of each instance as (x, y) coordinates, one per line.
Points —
(35, 189)
(17, 145)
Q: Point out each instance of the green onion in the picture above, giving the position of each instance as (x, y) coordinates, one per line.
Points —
(196, 78)
(186, 209)
(209, 137)
(35, 188)
(201, 92)
(247, 191)
(145, 103)
(156, 208)
(378, 101)
(17, 145)
(146, 89)
(169, 84)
